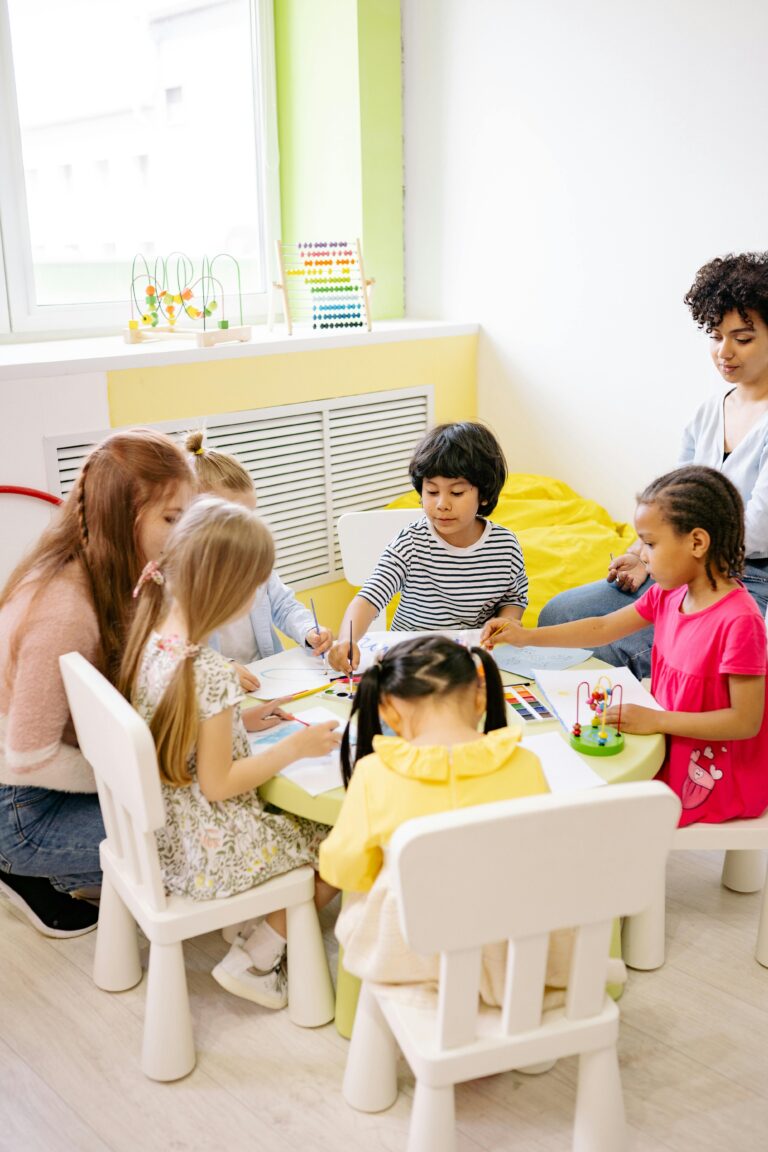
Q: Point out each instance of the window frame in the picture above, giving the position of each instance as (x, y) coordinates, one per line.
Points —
(21, 319)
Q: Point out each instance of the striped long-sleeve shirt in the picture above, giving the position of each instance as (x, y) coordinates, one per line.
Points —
(443, 586)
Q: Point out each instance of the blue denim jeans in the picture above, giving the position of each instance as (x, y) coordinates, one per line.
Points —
(51, 834)
(600, 598)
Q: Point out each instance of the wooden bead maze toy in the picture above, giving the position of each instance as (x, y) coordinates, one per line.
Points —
(322, 283)
(598, 738)
(172, 292)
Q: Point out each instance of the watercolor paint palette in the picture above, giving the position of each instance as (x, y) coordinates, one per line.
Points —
(525, 705)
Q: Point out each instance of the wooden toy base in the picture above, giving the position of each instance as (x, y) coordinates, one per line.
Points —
(589, 742)
(203, 338)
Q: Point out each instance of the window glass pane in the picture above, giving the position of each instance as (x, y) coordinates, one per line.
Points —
(138, 135)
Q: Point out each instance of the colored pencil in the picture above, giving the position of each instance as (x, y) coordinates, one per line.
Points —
(298, 720)
(496, 632)
(307, 692)
(314, 613)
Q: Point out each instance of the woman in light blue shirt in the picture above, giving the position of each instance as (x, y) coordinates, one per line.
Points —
(729, 299)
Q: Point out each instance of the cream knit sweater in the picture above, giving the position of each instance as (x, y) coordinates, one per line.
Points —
(38, 747)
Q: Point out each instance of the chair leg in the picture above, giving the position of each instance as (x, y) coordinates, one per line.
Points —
(370, 1078)
(168, 1051)
(761, 950)
(116, 961)
(599, 1124)
(642, 937)
(433, 1120)
(310, 988)
(744, 869)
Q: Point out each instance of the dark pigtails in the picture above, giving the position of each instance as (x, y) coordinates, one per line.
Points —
(366, 707)
(495, 704)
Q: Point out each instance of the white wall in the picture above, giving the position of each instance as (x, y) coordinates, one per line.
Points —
(31, 409)
(569, 164)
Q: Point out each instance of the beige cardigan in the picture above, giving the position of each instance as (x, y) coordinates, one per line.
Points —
(38, 747)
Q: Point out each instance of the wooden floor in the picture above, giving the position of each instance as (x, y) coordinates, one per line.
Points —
(694, 1055)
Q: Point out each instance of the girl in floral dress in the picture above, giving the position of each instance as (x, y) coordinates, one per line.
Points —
(218, 838)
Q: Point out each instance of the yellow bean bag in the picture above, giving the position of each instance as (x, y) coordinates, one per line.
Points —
(566, 540)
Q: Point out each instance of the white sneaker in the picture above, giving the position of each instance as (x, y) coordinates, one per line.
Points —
(244, 929)
(237, 974)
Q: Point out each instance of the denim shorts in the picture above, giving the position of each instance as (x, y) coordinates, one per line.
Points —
(51, 834)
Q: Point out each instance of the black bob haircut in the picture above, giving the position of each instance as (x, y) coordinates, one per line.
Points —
(730, 284)
(463, 451)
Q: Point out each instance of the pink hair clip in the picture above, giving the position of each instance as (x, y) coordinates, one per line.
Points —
(150, 571)
(178, 648)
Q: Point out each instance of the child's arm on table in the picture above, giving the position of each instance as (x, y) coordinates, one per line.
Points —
(249, 682)
(739, 722)
(262, 717)
(290, 616)
(589, 633)
(220, 777)
(360, 614)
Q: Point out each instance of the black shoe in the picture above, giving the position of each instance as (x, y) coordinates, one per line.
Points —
(52, 912)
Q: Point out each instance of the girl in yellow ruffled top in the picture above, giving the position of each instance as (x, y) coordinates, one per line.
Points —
(433, 693)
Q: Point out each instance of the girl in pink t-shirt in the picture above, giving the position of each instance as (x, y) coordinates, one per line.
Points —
(709, 649)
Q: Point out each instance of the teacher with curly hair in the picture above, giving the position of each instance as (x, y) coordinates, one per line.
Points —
(729, 300)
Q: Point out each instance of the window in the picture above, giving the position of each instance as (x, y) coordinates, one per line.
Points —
(130, 128)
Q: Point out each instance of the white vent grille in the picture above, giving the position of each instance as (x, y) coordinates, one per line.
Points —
(309, 462)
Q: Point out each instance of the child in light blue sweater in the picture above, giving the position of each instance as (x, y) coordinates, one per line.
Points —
(253, 636)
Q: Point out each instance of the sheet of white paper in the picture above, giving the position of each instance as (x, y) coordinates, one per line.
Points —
(287, 673)
(375, 644)
(522, 661)
(564, 769)
(315, 774)
(560, 691)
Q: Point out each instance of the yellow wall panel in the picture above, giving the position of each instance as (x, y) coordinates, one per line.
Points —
(173, 392)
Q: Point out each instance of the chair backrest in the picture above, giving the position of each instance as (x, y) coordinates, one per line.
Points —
(363, 536)
(119, 747)
(518, 870)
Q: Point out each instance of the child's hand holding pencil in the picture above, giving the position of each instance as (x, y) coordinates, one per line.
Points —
(319, 639)
(503, 631)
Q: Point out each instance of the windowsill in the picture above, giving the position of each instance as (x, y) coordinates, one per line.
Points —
(106, 353)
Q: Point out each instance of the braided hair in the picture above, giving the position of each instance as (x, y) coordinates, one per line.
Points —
(699, 497)
(415, 669)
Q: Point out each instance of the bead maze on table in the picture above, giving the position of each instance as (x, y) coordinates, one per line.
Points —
(173, 292)
(323, 284)
(598, 738)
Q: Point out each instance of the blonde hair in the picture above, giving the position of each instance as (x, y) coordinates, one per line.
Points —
(216, 470)
(97, 527)
(217, 556)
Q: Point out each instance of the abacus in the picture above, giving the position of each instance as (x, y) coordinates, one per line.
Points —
(322, 283)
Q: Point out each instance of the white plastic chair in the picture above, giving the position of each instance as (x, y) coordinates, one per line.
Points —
(744, 870)
(363, 536)
(119, 747)
(516, 870)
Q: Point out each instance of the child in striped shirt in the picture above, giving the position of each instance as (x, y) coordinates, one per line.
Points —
(453, 567)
